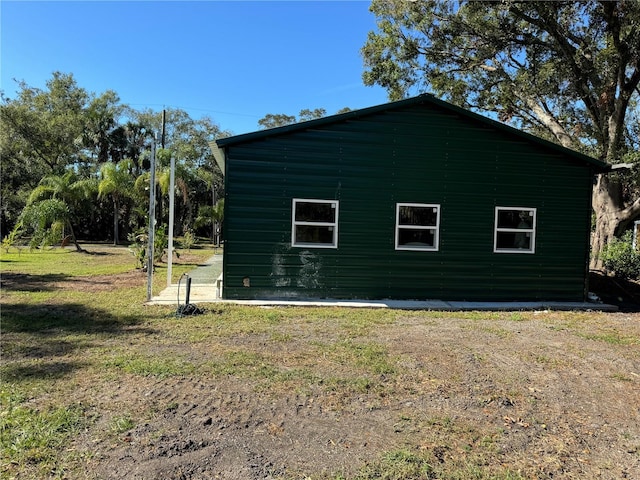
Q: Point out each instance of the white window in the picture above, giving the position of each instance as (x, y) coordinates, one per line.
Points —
(417, 226)
(515, 230)
(315, 223)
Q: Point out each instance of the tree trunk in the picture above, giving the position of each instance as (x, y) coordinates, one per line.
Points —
(214, 224)
(74, 239)
(611, 218)
(115, 221)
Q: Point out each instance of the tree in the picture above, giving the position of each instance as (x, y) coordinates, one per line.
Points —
(117, 182)
(187, 141)
(211, 215)
(214, 183)
(52, 203)
(47, 125)
(46, 131)
(100, 125)
(45, 220)
(568, 71)
(271, 120)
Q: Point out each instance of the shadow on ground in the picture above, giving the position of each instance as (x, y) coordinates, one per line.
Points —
(18, 372)
(52, 319)
(625, 294)
(37, 339)
(30, 283)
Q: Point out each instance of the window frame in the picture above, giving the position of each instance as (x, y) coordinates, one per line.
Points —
(435, 228)
(532, 231)
(294, 223)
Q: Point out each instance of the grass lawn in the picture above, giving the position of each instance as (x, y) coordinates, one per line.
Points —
(94, 384)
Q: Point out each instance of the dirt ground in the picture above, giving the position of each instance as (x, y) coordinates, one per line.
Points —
(543, 394)
(541, 401)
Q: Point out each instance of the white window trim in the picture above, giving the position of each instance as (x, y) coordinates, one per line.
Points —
(531, 230)
(435, 228)
(334, 204)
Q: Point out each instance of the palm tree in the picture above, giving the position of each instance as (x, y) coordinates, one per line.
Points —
(51, 204)
(211, 215)
(116, 181)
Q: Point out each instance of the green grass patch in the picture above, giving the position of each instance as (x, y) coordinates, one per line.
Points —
(435, 463)
(34, 436)
(398, 465)
(121, 423)
(369, 356)
(159, 366)
(68, 262)
(612, 337)
(246, 364)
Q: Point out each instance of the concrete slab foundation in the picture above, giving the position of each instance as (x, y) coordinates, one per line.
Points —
(205, 289)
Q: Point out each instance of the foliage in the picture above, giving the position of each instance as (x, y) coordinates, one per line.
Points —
(538, 64)
(160, 243)
(620, 257)
(62, 128)
(188, 240)
(34, 436)
(55, 199)
(12, 237)
(272, 120)
(139, 246)
(209, 215)
(117, 182)
(45, 125)
(45, 221)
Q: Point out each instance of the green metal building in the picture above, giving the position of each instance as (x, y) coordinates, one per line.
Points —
(416, 199)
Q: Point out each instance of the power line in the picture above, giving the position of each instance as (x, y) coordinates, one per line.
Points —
(194, 108)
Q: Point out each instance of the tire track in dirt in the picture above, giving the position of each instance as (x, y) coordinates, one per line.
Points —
(201, 430)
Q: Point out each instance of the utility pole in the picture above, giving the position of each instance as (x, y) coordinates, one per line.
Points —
(160, 138)
(152, 220)
(172, 181)
(164, 124)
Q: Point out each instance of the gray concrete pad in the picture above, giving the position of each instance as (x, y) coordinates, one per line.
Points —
(204, 290)
(208, 294)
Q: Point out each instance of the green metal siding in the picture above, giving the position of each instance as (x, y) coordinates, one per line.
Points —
(417, 154)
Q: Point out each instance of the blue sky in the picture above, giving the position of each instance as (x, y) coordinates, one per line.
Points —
(234, 61)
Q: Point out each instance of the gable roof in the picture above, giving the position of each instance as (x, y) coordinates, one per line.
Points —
(424, 99)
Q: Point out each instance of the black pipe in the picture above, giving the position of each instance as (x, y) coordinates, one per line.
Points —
(186, 301)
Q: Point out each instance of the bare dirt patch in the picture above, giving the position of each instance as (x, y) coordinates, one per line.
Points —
(89, 283)
(541, 395)
(14, 281)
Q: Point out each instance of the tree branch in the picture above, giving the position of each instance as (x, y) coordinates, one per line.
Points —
(568, 53)
(548, 121)
(628, 214)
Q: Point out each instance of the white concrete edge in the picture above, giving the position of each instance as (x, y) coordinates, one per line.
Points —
(404, 304)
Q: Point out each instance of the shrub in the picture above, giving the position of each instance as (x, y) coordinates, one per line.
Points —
(620, 257)
(12, 238)
(139, 243)
(138, 247)
(188, 240)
